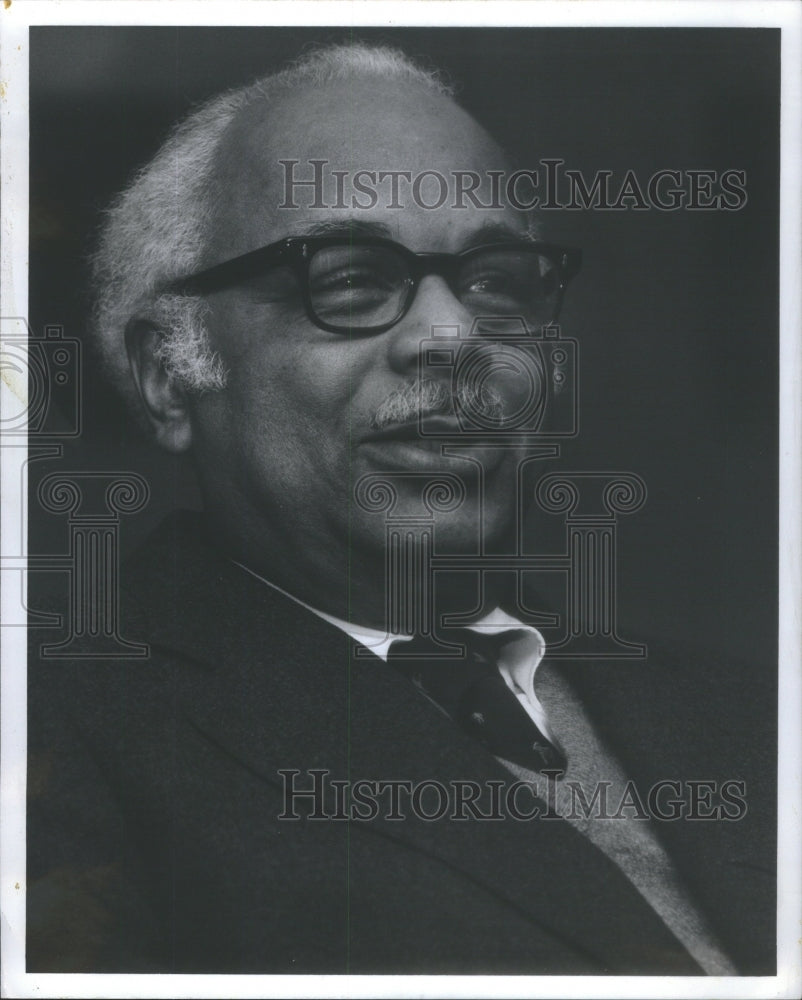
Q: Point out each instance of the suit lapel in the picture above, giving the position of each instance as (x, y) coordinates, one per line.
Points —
(542, 866)
(683, 714)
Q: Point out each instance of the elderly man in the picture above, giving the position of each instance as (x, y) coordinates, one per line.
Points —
(264, 793)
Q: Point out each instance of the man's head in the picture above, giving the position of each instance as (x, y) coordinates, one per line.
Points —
(162, 225)
(285, 402)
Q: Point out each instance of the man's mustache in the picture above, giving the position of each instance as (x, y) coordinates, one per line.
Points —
(423, 397)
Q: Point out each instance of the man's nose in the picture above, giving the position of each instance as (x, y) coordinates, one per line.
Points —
(435, 306)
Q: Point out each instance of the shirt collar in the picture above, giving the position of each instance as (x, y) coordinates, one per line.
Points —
(518, 659)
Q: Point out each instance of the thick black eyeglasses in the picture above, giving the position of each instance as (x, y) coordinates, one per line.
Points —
(365, 285)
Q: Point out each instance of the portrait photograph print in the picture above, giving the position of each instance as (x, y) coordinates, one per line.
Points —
(400, 475)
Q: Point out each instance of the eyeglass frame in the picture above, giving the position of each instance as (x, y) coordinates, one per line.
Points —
(296, 253)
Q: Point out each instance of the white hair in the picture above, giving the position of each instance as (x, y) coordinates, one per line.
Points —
(156, 230)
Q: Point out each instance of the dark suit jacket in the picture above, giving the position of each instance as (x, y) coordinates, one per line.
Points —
(155, 843)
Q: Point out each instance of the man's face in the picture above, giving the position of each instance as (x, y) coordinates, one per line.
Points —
(283, 445)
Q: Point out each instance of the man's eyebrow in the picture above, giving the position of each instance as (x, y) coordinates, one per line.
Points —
(346, 228)
(497, 232)
(488, 232)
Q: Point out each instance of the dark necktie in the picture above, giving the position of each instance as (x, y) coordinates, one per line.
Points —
(470, 689)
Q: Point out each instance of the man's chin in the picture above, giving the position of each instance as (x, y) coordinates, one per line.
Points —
(462, 530)
(464, 536)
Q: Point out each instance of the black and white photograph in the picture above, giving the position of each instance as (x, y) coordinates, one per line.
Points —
(400, 544)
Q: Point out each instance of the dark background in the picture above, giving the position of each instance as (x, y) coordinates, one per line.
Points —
(676, 313)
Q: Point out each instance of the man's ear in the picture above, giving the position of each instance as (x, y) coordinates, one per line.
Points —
(164, 400)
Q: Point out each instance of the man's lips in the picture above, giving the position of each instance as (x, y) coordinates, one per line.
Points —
(419, 444)
(422, 429)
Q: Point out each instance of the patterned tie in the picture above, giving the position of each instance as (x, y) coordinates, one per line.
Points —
(470, 689)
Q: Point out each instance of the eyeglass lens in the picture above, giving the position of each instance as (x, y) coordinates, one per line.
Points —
(364, 286)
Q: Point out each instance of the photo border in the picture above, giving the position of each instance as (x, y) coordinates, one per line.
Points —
(15, 19)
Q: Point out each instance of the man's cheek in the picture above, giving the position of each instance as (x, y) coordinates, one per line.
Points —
(501, 388)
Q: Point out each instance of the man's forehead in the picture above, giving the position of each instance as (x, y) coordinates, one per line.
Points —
(342, 138)
(365, 120)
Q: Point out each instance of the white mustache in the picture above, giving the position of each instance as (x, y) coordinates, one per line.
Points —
(423, 397)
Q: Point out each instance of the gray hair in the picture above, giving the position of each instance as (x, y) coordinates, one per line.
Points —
(156, 229)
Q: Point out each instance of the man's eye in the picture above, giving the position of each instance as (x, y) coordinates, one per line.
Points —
(494, 283)
(350, 282)
(349, 278)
